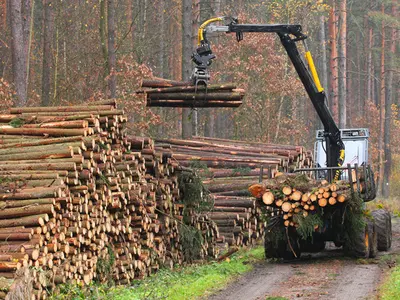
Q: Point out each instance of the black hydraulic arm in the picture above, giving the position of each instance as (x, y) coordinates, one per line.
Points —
(289, 36)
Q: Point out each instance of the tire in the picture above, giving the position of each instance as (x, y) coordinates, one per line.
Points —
(373, 239)
(276, 244)
(338, 244)
(312, 246)
(360, 246)
(383, 223)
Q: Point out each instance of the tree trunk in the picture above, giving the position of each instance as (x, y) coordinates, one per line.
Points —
(29, 13)
(324, 54)
(369, 70)
(103, 39)
(342, 64)
(388, 109)
(195, 25)
(210, 123)
(382, 106)
(333, 62)
(186, 62)
(47, 51)
(19, 51)
(112, 62)
(161, 59)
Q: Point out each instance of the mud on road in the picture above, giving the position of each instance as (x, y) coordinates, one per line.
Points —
(325, 275)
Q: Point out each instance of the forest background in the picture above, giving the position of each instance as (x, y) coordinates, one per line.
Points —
(59, 52)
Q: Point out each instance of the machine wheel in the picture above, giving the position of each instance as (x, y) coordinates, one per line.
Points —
(373, 239)
(312, 246)
(383, 223)
(276, 244)
(338, 244)
(360, 246)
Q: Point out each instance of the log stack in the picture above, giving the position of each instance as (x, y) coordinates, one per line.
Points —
(228, 168)
(167, 93)
(80, 200)
(295, 197)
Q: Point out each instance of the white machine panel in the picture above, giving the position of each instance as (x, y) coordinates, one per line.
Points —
(356, 147)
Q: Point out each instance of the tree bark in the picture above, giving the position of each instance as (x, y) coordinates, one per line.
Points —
(382, 106)
(388, 109)
(369, 67)
(19, 50)
(47, 51)
(333, 62)
(343, 64)
(186, 62)
(103, 38)
(112, 61)
(324, 53)
(195, 25)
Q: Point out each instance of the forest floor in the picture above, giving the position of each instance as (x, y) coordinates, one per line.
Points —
(325, 275)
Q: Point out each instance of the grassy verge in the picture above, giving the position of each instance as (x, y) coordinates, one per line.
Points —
(390, 289)
(189, 282)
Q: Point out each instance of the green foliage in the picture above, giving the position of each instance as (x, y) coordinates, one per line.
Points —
(395, 177)
(74, 291)
(194, 194)
(379, 17)
(353, 219)
(242, 171)
(16, 122)
(276, 230)
(307, 224)
(196, 199)
(105, 267)
(188, 282)
(192, 281)
(197, 165)
(191, 240)
(5, 179)
(298, 181)
(105, 180)
(278, 194)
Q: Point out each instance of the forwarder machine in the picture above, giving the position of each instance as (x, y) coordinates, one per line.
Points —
(330, 148)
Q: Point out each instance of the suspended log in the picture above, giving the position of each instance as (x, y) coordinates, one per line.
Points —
(193, 103)
(187, 89)
(160, 82)
(196, 96)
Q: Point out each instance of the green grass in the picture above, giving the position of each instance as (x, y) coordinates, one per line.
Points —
(188, 282)
(390, 290)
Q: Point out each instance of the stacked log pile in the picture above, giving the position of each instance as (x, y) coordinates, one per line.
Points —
(228, 168)
(167, 93)
(79, 198)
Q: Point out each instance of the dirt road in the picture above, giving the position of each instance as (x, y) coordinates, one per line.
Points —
(326, 275)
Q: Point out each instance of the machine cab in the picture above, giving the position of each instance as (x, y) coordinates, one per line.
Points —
(356, 149)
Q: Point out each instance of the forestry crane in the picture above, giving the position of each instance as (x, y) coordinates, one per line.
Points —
(330, 145)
